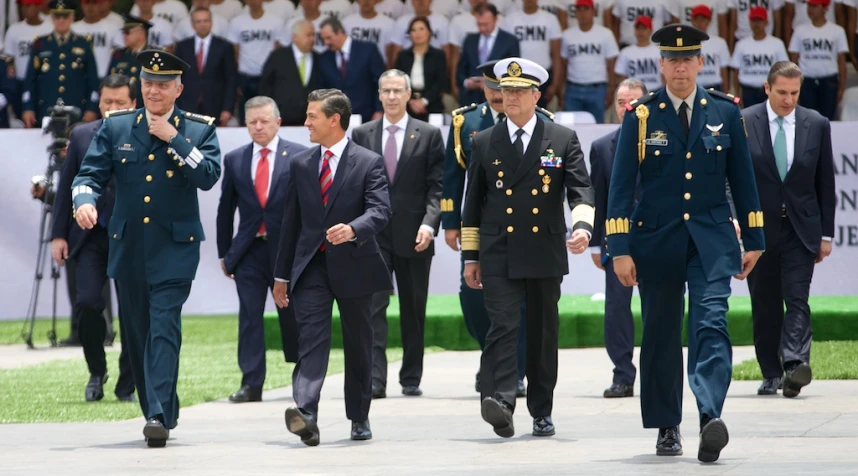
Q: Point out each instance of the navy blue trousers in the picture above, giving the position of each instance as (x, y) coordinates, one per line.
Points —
(751, 96)
(619, 326)
(820, 94)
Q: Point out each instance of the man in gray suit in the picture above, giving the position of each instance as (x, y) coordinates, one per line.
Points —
(413, 154)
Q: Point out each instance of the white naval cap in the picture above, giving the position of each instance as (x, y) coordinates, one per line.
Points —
(520, 73)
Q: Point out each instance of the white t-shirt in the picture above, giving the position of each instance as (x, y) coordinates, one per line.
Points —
(185, 29)
(286, 35)
(460, 26)
(102, 32)
(227, 10)
(504, 6)
(682, 10)
(628, 10)
(19, 38)
(255, 40)
(550, 6)
(160, 35)
(378, 30)
(173, 11)
(534, 33)
(440, 30)
(282, 9)
(801, 18)
(447, 8)
(586, 53)
(743, 8)
(716, 55)
(640, 63)
(392, 9)
(600, 7)
(755, 58)
(819, 48)
(330, 8)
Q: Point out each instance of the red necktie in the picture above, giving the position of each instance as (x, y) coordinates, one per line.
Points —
(200, 58)
(261, 183)
(326, 178)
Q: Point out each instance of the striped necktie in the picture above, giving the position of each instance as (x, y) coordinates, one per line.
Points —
(326, 178)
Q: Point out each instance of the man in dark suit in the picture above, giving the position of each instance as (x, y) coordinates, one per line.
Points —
(352, 66)
(491, 43)
(337, 205)
(289, 74)
(794, 168)
(413, 154)
(89, 249)
(619, 323)
(513, 234)
(210, 83)
(255, 178)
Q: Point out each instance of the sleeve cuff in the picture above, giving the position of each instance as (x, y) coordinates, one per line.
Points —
(192, 158)
(595, 250)
(429, 229)
(281, 280)
(827, 238)
(471, 261)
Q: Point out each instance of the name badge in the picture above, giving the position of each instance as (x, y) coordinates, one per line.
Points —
(125, 148)
(658, 138)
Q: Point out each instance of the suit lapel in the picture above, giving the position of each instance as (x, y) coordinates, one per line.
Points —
(538, 144)
(374, 137)
(764, 137)
(802, 129)
(248, 175)
(140, 131)
(412, 135)
(699, 116)
(280, 167)
(344, 168)
(313, 177)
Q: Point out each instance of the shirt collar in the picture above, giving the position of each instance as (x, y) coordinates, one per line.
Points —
(337, 148)
(168, 115)
(528, 127)
(493, 34)
(676, 101)
(401, 124)
(789, 118)
(298, 53)
(205, 41)
(272, 146)
(494, 114)
(347, 47)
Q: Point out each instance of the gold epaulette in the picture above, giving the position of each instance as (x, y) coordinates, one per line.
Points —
(548, 113)
(616, 226)
(470, 238)
(458, 122)
(200, 118)
(755, 220)
(120, 112)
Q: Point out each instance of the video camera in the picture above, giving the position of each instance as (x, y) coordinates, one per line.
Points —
(59, 126)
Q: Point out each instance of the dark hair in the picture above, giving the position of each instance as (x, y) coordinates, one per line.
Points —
(486, 7)
(334, 23)
(203, 9)
(423, 20)
(116, 81)
(333, 102)
(786, 69)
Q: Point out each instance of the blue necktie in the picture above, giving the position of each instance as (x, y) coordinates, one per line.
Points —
(781, 149)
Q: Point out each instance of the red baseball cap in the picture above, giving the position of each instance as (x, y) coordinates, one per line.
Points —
(584, 3)
(701, 11)
(644, 20)
(758, 13)
(30, 2)
(824, 3)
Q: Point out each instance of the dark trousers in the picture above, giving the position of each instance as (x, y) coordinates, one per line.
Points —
(820, 94)
(782, 276)
(619, 326)
(153, 323)
(503, 297)
(254, 277)
(710, 352)
(477, 321)
(249, 86)
(125, 383)
(71, 287)
(412, 283)
(313, 300)
(751, 96)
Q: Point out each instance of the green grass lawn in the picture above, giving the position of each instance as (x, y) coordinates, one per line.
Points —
(832, 360)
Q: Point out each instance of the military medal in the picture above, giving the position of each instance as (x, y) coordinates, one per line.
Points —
(546, 179)
(499, 184)
(45, 67)
(715, 130)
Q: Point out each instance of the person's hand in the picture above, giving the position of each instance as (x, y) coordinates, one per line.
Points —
(578, 243)
(89, 116)
(280, 295)
(749, 260)
(824, 251)
(29, 119)
(624, 268)
(225, 116)
(417, 106)
(452, 238)
(225, 272)
(37, 191)
(339, 234)
(59, 250)
(86, 216)
(472, 276)
(597, 260)
(474, 83)
(162, 129)
(738, 230)
(424, 238)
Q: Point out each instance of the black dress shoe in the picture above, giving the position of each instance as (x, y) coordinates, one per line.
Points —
(71, 341)
(95, 388)
(109, 338)
(795, 378)
(499, 415)
(769, 386)
(477, 383)
(619, 390)
(713, 438)
(520, 390)
(302, 424)
(378, 391)
(412, 391)
(361, 431)
(543, 426)
(246, 394)
(127, 398)
(668, 443)
(155, 433)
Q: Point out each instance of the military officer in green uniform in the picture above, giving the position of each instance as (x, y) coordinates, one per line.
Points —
(135, 32)
(158, 156)
(62, 66)
(686, 143)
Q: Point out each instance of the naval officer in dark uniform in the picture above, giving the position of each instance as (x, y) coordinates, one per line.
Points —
(62, 66)
(135, 33)
(686, 143)
(158, 157)
(513, 237)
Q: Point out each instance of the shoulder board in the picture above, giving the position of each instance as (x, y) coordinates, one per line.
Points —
(641, 100)
(465, 109)
(121, 112)
(724, 96)
(546, 112)
(7, 59)
(200, 118)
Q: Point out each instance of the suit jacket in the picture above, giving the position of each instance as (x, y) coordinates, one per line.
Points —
(357, 197)
(435, 76)
(282, 82)
(238, 192)
(415, 194)
(216, 85)
(506, 46)
(364, 66)
(808, 191)
(513, 221)
(65, 226)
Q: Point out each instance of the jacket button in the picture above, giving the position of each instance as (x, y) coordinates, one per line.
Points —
(509, 211)
(688, 155)
(535, 211)
(191, 238)
(657, 153)
(500, 173)
(718, 148)
(534, 191)
(536, 229)
(687, 196)
(62, 89)
(640, 223)
(147, 199)
(688, 175)
(114, 236)
(148, 178)
(686, 216)
(145, 219)
(541, 171)
(509, 191)
(509, 229)
(123, 160)
(151, 156)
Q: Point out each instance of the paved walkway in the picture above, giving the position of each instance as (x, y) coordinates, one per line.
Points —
(18, 355)
(442, 433)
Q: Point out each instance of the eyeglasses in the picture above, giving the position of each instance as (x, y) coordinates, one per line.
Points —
(396, 91)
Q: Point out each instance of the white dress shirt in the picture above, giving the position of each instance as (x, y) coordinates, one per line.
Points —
(207, 43)
(789, 130)
(257, 156)
(677, 102)
(346, 51)
(495, 116)
(400, 141)
(308, 62)
(528, 131)
(334, 161)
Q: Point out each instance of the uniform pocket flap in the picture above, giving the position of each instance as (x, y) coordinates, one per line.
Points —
(115, 228)
(188, 231)
(488, 229)
(124, 156)
(645, 218)
(713, 142)
(722, 214)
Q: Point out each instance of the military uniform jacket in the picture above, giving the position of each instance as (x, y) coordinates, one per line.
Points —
(66, 72)
(683, 188)
(124, 61)
(155, 231)
(513, 221)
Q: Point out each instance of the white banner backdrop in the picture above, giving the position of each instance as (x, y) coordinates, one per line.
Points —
(212, 293)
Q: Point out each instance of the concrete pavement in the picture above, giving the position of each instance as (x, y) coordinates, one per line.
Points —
(442, 433)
